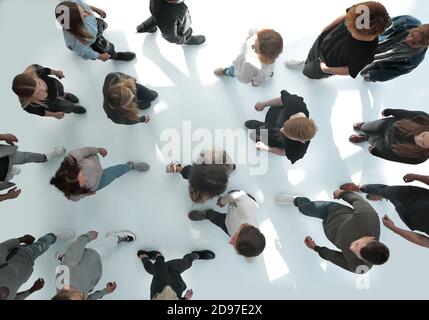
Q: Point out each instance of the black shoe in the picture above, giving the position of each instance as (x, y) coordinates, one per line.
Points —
(196, 40)
(150, 254)
(198, 215)
(253, 124)
(141, 29)
(125, 56)
(79, 110)
(204, 254)
(71, 97)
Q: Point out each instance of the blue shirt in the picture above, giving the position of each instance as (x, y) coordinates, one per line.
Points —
(83, 50)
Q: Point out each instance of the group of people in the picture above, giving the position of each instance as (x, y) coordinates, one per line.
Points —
(387, 48)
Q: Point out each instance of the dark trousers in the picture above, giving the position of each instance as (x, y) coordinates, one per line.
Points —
(150, 24)
(376, 132)
(315, 209)
(145, 96)
(102, 45)
(312, 68)
(62, 105)
(168, 273)
(396, 195)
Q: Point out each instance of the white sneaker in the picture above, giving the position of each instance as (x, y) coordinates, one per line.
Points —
(295, 64)
(123, 236)
(16, 170)
(64, 234)
(57, 152)
(285, 200)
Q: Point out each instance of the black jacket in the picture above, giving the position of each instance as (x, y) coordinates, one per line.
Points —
(173, 20)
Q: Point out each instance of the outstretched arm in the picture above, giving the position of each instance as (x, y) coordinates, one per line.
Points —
(411, 236)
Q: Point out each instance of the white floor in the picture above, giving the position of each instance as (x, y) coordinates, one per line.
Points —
(155, 205)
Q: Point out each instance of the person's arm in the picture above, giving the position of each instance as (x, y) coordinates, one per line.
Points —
(11, 194)
(359, 205)
(8, 138)
(56, 115)
(232, 197)
(263, 147)
(416, 177)
(336, 257)
(336, 22)
(38, 285)
(99, 11)
(170, 34)
(5, 247)
(393, 157)
(82, 153)
(97, 295)
(74, 253)
(413, 237)
(402, 114)
(338, 71)
(83, 50)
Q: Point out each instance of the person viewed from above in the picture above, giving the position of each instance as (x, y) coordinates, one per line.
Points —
(347, 45)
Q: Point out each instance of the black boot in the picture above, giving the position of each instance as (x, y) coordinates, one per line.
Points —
(79, 110)
(71, 97)
(125, 56)
(196, 40)
(253, 124)
(142, 29)
(204, 254)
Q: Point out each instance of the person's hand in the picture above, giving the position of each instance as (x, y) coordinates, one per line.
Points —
(309, 242)
(219, 203)
(111, 286)
(104, 56)
(388, 223)
(10, 139)
(323, 66)
(338, 194)
(103, 152)
(261, 146)
(410, 177)
(146, 119)
(59, 115)
(38, 285)
(189, 294)
(13, 193)
(59, 74)
(93, 235)
(254, 84)
(260, 106)
(27, 239)
(101, 13)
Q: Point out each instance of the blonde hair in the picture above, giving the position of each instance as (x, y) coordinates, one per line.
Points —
(300, 128)
(166, 294)
(120, 98)
(24, 86)
(270, 45)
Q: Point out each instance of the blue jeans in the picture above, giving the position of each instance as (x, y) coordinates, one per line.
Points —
(230, 72)
(315, 209)
(42, 245)
(111, 174)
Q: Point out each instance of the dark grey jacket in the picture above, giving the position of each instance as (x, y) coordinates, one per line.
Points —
(6, 151)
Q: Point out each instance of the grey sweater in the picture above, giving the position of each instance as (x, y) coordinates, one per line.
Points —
(88, 161)
(345, 225)
(85, 268)
(16, 267)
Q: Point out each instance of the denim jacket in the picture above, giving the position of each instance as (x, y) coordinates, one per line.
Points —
(394, 58)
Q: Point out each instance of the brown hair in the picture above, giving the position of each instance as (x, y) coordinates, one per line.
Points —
(379, 19)
(300, 128)
(118, 97)
(250, 242)
(375, 253)
(411, 128)
(76, 26)
(207, 182)
(65, 178)
(270, 45)
(423, 30)
(24, 86)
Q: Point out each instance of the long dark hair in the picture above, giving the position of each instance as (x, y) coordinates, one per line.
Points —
(410, 128)
(207, 182)
(76, 26)
(65, 178)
